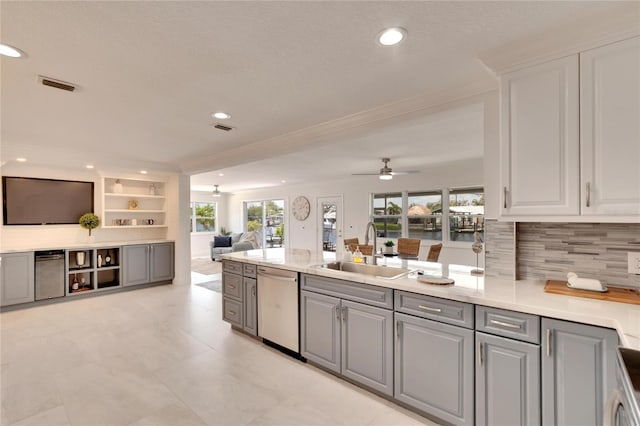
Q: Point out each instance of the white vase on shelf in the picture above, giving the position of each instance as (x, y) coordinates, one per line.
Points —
(80, 258)
(117, 187)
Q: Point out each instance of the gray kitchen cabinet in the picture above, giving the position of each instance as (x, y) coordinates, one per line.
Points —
(17, 278)
(507, 382)
(240, 296)
(320, 329)
(161, 262)
(147, 263)
(135, 264)
(434, 369)
(367, 345)
(250, 306)
(578, 372)
(350, 338)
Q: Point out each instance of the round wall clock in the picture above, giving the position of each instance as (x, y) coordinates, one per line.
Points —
(300, 207)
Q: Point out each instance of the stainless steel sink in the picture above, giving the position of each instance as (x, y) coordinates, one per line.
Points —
(378, 271)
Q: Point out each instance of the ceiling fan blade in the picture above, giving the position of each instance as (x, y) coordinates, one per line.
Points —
(406, 172)
(365, 174)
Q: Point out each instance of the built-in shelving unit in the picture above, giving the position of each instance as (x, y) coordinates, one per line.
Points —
(134, 203)
(100, 269)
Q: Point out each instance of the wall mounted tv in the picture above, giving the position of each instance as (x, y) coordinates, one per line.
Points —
(32, 201)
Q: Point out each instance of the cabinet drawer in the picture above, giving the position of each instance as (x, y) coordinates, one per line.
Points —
(232, 311)
(249, 270)
(232, 285)
(447, 311)
(357, 292)
(515, 325)
(231, 266)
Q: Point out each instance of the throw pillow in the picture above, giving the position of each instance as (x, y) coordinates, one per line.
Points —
(221, 241)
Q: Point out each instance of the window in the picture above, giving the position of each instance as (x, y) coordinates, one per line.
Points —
(203, 217)
(266, 218)
(387, 214)
(424, 215)
(466, 214)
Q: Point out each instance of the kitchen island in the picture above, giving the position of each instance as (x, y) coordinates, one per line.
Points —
(481, 351)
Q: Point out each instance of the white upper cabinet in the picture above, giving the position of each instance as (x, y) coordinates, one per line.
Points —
(610, 129)
(540, 139)
(570, 136)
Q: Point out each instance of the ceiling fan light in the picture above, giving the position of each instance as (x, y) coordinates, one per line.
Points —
(216, 192)
(386, 176)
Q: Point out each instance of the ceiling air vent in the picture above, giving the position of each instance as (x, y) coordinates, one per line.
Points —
(56, 84)
(223, 127)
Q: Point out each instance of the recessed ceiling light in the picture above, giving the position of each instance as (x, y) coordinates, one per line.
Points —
(222, 115)
(144, 172)
(89, 166)
(283, 181)
(220, 174)
(10, 51)
(21, 159)
(392, 36)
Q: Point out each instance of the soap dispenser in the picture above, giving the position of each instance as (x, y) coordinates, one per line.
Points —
(357, 255)
(347, 256)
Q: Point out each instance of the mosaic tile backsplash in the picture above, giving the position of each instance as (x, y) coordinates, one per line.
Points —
(592, 250)
(500, 254)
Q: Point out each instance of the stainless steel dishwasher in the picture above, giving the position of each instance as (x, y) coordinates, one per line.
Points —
(278, 307)
(49, 274)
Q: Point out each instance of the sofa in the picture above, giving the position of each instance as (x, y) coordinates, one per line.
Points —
(235, 242)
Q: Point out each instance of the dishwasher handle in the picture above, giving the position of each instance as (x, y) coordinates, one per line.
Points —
(277, 277)
(49, 257)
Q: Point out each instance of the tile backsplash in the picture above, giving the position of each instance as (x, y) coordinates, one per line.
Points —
(500, 254)
(592, 250)
(549, 250)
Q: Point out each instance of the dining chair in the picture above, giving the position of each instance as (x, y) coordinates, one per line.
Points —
(349, 241)
(408, 248)
(434, 252)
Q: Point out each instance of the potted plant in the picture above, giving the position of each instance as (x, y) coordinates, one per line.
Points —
(388, 246)
(89, 221)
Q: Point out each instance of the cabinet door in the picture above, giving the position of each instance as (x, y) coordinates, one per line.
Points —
(17, 278)
(135, 264)
(161, 262)
(507, 382)
(320, 329)
(250, 306)
(578, 372)
(434, 369)
(367, 346)
(539, 139)
(610, 129)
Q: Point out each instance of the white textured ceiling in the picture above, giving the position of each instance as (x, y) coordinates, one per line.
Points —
(151, 73)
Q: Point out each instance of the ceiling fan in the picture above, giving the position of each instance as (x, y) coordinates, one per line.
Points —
(386, 173)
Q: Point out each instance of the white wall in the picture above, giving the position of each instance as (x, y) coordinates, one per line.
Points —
(356, 192)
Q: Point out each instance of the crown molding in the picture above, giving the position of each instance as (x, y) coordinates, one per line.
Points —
(342, 127)
(620, 24)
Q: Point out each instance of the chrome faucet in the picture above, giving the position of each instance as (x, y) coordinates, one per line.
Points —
(366, 240)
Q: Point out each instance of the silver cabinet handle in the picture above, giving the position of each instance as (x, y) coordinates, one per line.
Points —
(548, 342)
(344, 313)
(397, 330)
(337, 308)
(588, 194)
(253, 291)
(505, 324)
(430, 309)
(480, 353)
(504, 196)
(231, 286)
(232, 312)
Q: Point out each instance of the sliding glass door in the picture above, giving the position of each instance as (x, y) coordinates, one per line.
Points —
(266, 217)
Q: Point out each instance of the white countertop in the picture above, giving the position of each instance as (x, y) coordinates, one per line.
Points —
(74, 246)
(523, 296)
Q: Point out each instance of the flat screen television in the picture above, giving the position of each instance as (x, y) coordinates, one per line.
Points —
(33, 201)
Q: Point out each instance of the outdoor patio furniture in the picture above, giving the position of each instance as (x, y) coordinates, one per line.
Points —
(408, 248)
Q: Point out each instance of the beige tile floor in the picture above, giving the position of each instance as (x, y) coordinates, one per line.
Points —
(162, 356)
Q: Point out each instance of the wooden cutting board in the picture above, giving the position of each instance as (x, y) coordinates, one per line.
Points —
(613, 294)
